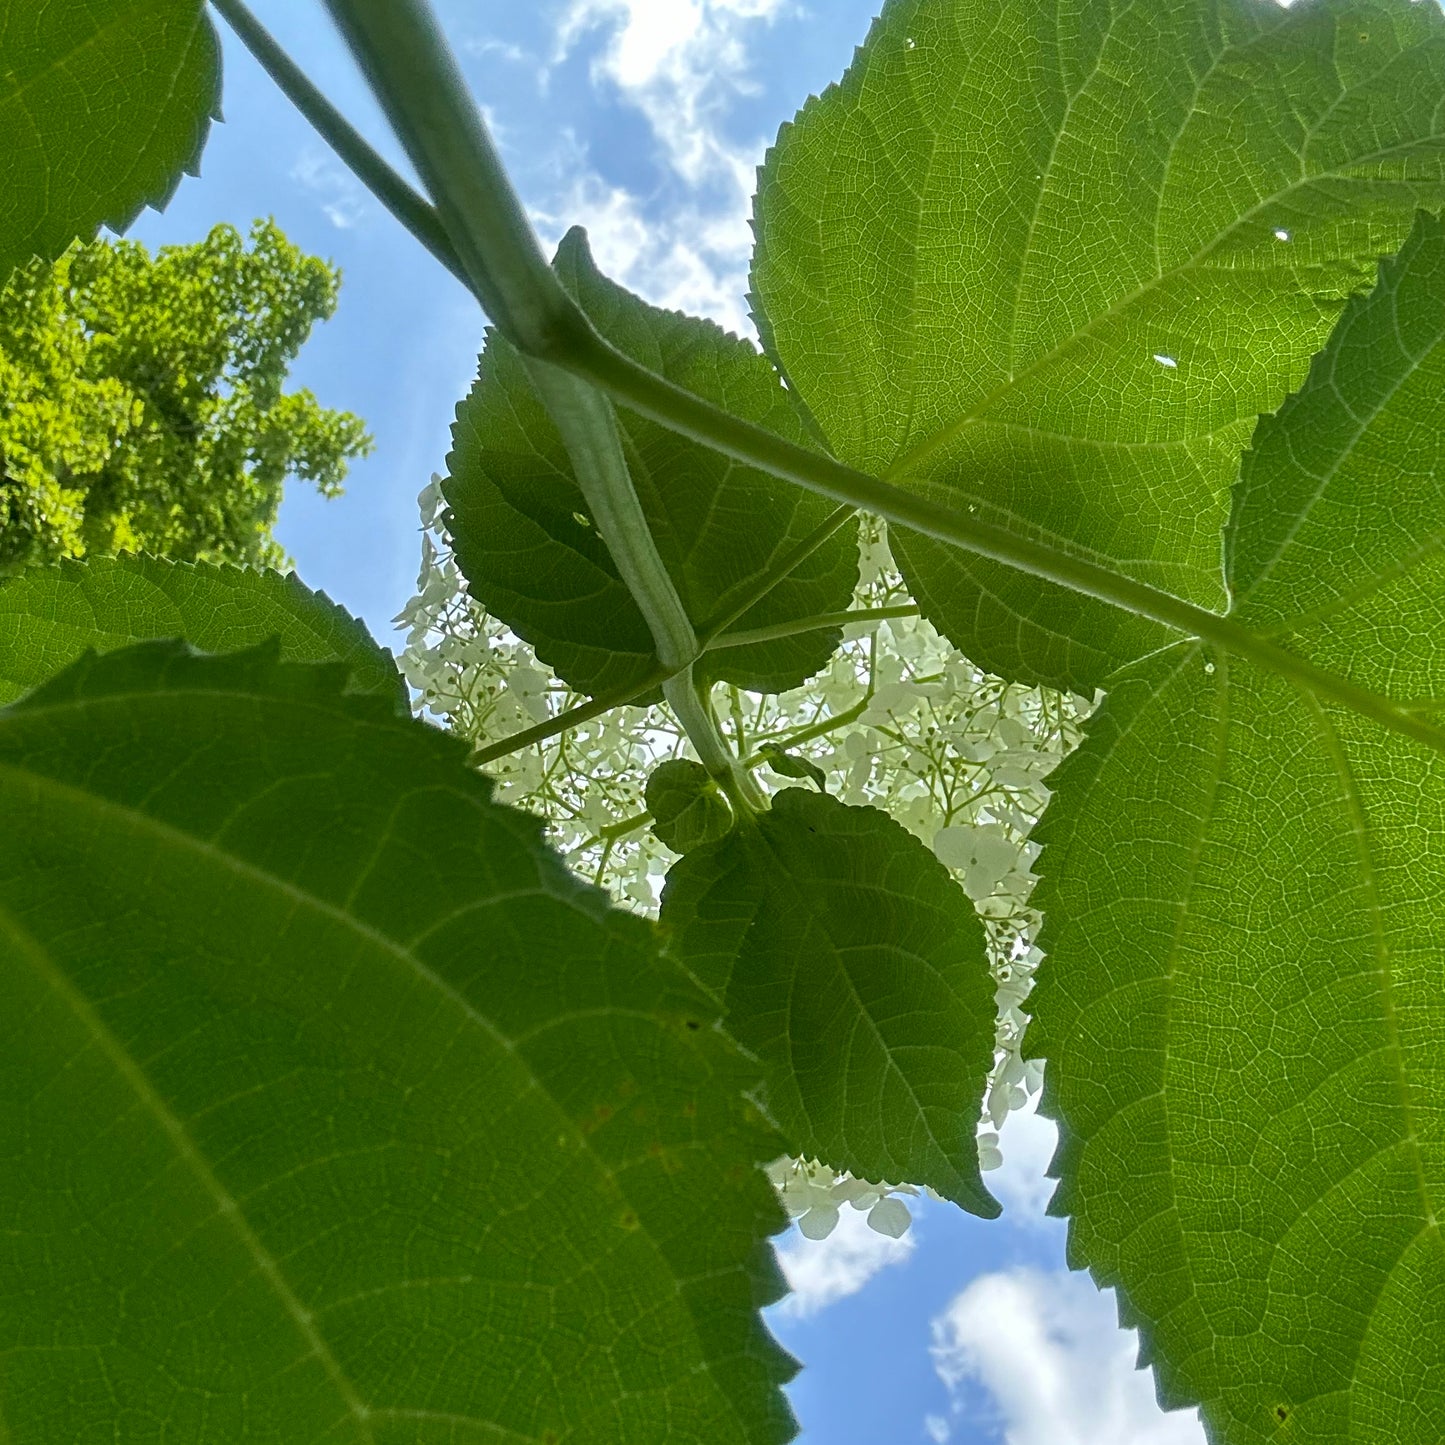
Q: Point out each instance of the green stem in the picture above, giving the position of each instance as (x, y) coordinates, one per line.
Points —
(415, 76)
(694, 712)
(566, 721)
(411, 209)
(620, 829)
(588, 426)
(404, 55)
(809, 624)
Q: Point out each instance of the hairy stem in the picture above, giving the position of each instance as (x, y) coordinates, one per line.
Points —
(588, 426)
(412, 210)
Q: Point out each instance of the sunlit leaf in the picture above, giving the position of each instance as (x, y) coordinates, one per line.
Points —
(1244, 994)
(50, 615)
(1047, 262)
(103, 103)
(332, 1108)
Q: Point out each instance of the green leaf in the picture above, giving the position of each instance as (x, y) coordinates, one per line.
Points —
(1047, 262)
(530, 554)
(793, 765)
(1242, 1006)
(103, 103)
(853, 966)
(688, 808)
(332, 1108)
(50, 615)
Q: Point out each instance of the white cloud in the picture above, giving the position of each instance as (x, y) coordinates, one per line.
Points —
(679, 62)
(341, 196)
(1049, 1350)
(937, 1429)
(823, 1271)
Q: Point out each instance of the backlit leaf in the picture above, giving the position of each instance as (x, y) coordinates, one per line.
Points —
(332, 1108)
(103, 103)
(50, 615)
(1244, 994)
(1047, 262)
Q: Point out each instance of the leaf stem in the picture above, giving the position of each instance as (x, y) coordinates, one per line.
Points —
(411, 209)
(566, 721)
(809, 624)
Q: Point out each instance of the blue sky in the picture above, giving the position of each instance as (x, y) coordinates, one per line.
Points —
(644, 121)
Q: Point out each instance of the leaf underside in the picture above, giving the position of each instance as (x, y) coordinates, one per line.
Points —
(332, 1108)
(526, 544)
(1245, 987)
(50, 615)
(1048, 262)
(852, 964)
(103, 104)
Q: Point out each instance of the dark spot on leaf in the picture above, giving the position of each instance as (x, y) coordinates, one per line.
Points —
(1281, 1412)
(628, 1219)
(693, 1024)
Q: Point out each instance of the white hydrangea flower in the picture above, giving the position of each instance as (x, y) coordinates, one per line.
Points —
(898, 719)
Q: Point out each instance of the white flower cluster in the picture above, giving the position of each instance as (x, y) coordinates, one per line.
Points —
(899, 719)
(813, 1194)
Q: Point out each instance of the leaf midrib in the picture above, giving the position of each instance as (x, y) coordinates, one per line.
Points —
(185, 1148)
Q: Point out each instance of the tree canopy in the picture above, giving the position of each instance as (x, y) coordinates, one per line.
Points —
(143, 402)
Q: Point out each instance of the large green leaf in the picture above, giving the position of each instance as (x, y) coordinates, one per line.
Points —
(530, 554)
(332, 1108)
(50, 615)
(1047, 262)
(853, 965)
(1244, 996)
(103, 103)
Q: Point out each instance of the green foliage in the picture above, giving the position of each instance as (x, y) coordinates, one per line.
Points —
(332, 1106)
(688, 808)
(102, 104)
(1049, 264)
(526, 545)
(51, 615)
(1245, 1005)
(143, 402)
(853, 966)
(297, 1145)
(793, 765)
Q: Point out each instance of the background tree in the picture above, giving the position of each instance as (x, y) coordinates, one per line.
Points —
(142, 403)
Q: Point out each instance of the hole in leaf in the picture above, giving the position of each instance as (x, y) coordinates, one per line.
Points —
(1163, 360)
